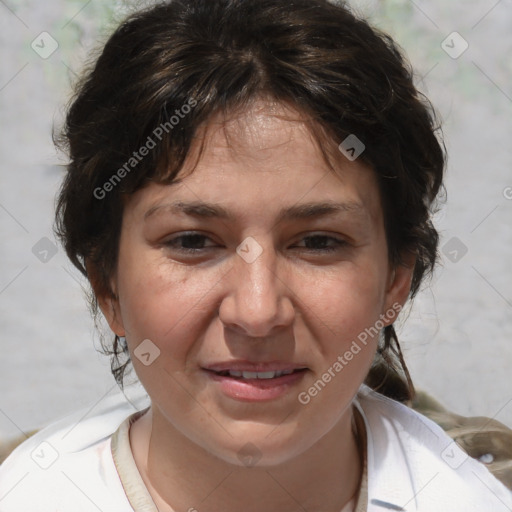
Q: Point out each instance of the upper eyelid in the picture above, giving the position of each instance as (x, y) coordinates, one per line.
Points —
(337, 238)
(188, 234)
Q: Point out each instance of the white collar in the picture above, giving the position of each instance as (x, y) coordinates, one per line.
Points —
(390, 489)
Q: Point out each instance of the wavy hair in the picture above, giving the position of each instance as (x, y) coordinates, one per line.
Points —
(316, 55)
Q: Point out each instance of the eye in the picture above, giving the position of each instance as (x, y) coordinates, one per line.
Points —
(322, 243)
(190, 243)
(197, 243)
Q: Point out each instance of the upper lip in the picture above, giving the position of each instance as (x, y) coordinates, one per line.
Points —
(251, 366)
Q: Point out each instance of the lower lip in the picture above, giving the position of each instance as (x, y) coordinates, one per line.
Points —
(256, 390)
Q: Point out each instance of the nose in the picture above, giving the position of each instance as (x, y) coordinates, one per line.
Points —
(259, 297)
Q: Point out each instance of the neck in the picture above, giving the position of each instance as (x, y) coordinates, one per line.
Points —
(180, 475)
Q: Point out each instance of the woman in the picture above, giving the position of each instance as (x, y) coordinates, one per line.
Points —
(249, 194)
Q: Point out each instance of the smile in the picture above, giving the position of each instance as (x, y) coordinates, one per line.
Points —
(255, 375)
(256, 386)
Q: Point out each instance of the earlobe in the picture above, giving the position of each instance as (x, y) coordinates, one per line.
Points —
(110, 308)
(108, 302)
(399, 285)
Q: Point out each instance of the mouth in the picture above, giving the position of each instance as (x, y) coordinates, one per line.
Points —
(247, 375)
(256, 382)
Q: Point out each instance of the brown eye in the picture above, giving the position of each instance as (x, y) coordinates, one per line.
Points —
(189, 243)
(322, 243)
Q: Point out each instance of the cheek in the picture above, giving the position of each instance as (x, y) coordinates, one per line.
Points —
(347, 301)
(343, 319)
(164, 303)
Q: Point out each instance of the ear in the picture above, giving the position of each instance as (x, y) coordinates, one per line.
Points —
(108, 300)
(109, 306)
(399, 285)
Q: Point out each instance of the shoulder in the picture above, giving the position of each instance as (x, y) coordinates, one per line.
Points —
(68, 465)
(414, 464)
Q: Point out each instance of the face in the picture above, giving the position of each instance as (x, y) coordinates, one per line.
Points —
(243, 288)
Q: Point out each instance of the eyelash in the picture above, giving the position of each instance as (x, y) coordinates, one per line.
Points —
(188, 250)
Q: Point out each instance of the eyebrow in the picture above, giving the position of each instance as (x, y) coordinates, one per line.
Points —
(202, 209)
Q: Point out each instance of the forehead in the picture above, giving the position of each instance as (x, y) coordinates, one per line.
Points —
(262, 159)
(264, 130)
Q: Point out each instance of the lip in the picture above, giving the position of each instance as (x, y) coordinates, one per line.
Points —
(255, 390)
(252, 366)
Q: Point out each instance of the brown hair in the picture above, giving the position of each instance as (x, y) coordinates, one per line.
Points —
(216, 56)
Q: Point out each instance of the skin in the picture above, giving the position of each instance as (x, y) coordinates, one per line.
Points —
(294, 303)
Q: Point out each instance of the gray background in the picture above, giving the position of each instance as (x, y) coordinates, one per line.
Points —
(457, 337)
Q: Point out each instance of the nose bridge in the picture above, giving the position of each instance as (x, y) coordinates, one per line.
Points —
(258, 300)
(259, 276)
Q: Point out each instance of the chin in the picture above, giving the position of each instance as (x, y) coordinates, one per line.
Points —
(260, 450)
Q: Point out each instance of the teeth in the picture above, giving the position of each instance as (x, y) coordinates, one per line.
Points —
(258, 375)
(254, 375)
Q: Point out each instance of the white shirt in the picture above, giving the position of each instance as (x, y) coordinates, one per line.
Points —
(412, 466)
